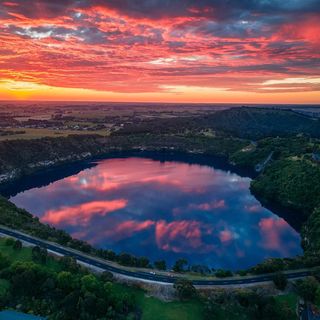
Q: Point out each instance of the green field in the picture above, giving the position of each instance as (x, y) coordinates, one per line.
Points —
(156, 309)
(24, 255)
(289, 300)
(31, 133)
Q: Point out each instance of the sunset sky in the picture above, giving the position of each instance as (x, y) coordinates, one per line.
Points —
(240, 51)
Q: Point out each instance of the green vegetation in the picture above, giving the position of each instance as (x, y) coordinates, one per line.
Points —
(280, 280)
(185, 290)
(28, 156)
(158, 310)
(61, 289)
(4, 287)
(248, 304)
(180, 264)
(307, 288)
(311, 233)
(289, 183)
(289, 300)
(223, 273)
(246, 137)
(257, 123)
(293, 184)
(31, 133)
(245, 122)
(160, 265)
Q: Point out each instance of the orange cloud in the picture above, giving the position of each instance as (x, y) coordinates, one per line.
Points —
(83, 213)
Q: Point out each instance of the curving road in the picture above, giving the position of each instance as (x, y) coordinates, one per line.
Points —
(139, 275)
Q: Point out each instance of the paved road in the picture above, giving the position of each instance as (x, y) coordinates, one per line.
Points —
(138, 274)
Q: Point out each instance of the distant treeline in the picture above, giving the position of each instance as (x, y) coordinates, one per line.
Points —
(244, 122)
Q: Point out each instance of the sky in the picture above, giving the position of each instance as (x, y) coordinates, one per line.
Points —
(230, 51)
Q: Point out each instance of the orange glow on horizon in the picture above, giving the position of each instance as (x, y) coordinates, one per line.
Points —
(11, 90)
(144, 51)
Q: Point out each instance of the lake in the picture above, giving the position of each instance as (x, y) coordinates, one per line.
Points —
(164, 210)
(13, 315)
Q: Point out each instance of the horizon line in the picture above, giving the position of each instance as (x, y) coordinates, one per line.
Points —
(162, 102)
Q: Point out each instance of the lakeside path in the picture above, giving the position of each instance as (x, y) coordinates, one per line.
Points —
(144, 276)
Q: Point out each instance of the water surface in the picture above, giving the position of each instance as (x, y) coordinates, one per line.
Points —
(13, 315)
(164, 210)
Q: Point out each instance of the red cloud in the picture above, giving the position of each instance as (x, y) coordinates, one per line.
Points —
(182, 236)
(113, 175)
(271, 230)
(217, 204)
(253, 208)
(83, 213)
(306, 29)
(153, 48)
(225, 236)
(127, 229)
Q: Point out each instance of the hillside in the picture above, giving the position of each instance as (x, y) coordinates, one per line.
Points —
(245, 122)
(257, 123)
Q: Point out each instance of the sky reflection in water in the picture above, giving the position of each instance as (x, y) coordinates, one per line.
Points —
(165, 211)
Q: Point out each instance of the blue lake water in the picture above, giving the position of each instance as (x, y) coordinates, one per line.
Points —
(164, 210)
(13, 315)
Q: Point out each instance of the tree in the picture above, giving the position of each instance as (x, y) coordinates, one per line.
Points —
(269, 266)
(4, 261)
(242, 273)
(246, 297)
(142, 262)
(223, 273)
(39, 254)
(9, 242)
(275, 311)
(316, 273)
(317, 298)
(126, 259)
(179, 265)
(70, 304)
(200, 269)
(160, 265)
(17, 245)
(89, 283)
(307, 288)
(211, 310)
(111, 255)
(106, 276)
(65, 281)
(185, 289)
(280, 280)
(69, 264)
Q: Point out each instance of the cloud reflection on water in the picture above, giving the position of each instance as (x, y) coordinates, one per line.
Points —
(165, 210)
